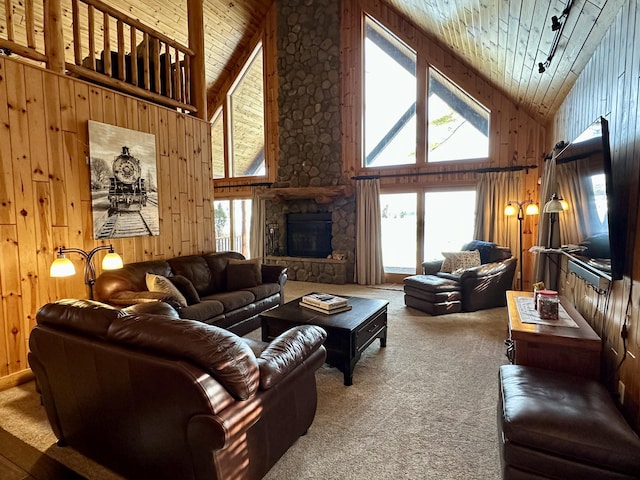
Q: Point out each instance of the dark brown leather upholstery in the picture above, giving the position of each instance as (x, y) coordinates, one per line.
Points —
(557, 426)
(150, 396)
(236, 310)
(484, 286)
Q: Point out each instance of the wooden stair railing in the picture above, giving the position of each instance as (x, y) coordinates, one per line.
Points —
(109, 48)
(155, 67)
(23, 42)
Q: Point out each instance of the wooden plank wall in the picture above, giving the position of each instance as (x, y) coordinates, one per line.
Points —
(45, 201)
(515, 137)
(609, 86)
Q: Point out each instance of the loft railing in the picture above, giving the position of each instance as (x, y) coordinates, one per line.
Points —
(109, 48)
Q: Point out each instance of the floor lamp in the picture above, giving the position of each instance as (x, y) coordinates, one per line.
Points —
(515, 207)
(62, 266)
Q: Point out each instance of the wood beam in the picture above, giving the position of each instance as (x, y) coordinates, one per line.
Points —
(196, 43)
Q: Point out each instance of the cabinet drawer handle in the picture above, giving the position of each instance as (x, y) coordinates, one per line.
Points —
(373, 329)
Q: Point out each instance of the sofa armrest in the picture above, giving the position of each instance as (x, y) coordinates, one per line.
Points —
(287, 351)
(431, 267)
(126, 298)
(274, 274)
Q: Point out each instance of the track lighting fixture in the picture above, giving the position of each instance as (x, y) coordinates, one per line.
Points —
(557, 25)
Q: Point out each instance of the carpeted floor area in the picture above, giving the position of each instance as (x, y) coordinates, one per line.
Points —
(421, 408)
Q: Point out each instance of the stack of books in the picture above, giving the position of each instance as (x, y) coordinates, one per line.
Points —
(325, 303)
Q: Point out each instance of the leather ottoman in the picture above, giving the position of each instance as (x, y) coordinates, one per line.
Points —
(553, 425)
(432, 294)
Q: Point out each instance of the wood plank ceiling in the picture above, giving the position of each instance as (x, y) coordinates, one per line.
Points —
(502, 40)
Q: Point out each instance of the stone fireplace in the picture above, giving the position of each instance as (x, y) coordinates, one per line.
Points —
(310, 178)
(309, 234)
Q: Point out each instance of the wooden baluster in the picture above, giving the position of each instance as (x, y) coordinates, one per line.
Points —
(92, 37)
(106, 42)
(176, 70)
(155, 63)
(167, 71)
(187, 78)
(8, 12)
(134, 57)
(30, 23)
(77, 45)
(145, 59)
(121, 67)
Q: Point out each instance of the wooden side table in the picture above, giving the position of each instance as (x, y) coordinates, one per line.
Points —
(564, 349)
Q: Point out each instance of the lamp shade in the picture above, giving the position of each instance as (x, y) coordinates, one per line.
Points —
(62, 267)
(509, 210)
(532, 209)
(112, 261)
(554, 205)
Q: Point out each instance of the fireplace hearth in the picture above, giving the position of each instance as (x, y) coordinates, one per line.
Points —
(309, 234)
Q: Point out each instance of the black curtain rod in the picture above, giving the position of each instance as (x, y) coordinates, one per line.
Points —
(261, 184)
(514, 168)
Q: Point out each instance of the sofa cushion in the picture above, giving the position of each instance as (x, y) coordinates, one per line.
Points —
(243, 274)
(196, 269)
(217, 351)
(232, 300)
(264, 290)
(202, 311)
(218, 265)
(458, 261)
(186, 288)
(158, 283)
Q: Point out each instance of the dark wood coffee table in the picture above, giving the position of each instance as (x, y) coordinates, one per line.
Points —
(348, 333)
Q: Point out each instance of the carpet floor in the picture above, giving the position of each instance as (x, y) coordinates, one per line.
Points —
(424, 407)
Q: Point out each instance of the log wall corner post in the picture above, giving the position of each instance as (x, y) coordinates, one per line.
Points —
(196, 44)
(53, 36)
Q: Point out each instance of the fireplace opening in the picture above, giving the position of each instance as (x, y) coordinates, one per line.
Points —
(309, 234)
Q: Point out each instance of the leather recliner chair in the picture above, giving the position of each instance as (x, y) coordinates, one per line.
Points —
(156, 396)
(484, 286)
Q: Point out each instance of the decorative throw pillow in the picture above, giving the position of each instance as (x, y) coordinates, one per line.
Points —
(186, 288)
(243, 274)
(459, 261)
(158, 283)
(485, 248)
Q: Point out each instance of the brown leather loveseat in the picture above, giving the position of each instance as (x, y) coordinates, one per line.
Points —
(155, 396)
(220, 288)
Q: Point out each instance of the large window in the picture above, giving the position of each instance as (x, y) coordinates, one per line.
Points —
(389, 99)
(457, 125)
(437, 221)
(232, 220)
(449, 219)
(240, 121)
(399, 230)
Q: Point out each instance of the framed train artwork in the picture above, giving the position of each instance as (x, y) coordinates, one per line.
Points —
(124, 185)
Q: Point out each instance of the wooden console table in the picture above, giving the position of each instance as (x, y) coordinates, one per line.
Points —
(574, 350)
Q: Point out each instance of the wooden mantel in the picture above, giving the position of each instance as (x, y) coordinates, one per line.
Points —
(321, 195)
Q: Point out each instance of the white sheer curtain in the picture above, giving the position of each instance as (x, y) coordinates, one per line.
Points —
(369, 268)
(258, 220)
(493, 192)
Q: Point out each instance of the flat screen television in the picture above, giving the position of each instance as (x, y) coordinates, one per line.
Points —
(593, 229)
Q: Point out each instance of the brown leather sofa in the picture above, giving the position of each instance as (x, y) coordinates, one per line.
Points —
(552, 425)
(227, 296)
(155, 396)
(475, 288)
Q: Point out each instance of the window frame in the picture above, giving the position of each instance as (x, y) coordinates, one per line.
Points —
(423, 65)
